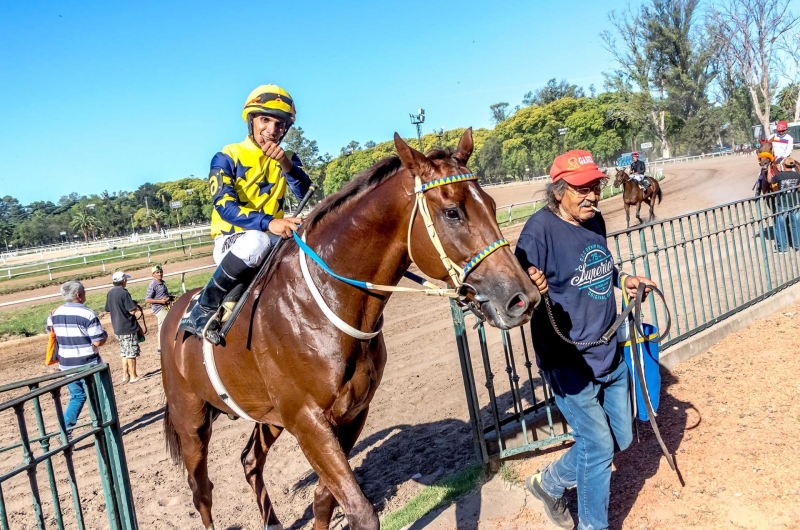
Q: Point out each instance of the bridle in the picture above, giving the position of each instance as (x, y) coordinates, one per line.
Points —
(458, 274)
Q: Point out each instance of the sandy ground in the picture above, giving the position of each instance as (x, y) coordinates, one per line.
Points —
(418, 421)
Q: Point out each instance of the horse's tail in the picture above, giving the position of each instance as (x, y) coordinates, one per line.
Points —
(171, 439)
(659, 194)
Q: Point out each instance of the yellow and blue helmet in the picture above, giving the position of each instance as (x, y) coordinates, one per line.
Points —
(271, 100)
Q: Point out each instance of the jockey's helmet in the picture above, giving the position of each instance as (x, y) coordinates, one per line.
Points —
(271, 100)
(634, 154)
(781, 126)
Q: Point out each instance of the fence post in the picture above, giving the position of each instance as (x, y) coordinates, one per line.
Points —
(122, 252)
(510, 206)
(190, 251)
(50, 274)
(84, 260)
(104, 264)
(148, 253)
(183, 282)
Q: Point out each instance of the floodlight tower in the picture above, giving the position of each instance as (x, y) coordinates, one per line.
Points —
(418, 119)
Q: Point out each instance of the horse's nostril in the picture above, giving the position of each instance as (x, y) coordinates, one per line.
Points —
(517, 305)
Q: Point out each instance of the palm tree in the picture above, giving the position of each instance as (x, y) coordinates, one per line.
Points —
(156, 217)
(84, 222)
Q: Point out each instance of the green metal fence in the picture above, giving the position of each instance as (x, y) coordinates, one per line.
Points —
(713, 263)
(24, 405)
(709, 264)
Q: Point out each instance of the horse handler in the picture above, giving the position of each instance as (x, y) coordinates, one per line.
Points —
(563, 249)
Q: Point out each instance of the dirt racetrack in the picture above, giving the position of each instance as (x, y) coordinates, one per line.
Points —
(418, 419)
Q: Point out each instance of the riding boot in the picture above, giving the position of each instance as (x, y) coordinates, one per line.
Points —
(227, 276)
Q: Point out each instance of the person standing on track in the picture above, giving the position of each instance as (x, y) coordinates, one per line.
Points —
(787, 206)
(782, 143)
(159, 299)
(123, 319)
(79, 336)
(563, 248)
(248, 184)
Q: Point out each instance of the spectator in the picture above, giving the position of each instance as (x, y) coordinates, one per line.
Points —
(122, 308)
(563, 248)
(79, 336)
(159, 299)
(787, 207)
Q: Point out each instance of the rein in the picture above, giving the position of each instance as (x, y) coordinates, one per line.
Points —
(457, 273)
(633, 314)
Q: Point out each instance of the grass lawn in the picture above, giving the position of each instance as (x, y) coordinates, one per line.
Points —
(30, 321)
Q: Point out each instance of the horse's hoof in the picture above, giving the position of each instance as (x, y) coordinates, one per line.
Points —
(273, 526)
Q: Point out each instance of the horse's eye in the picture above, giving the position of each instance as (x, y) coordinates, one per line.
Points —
(452, 214)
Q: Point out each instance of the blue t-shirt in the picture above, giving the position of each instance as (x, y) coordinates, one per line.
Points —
(581, 276)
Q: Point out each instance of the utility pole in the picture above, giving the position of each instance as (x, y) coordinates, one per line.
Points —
(418, 119)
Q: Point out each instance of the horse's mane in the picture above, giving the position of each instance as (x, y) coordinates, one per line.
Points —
(364, 181)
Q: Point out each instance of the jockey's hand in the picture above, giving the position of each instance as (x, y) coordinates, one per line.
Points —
(275, 152)
(284, 227)
(632, 284)
(538, 279)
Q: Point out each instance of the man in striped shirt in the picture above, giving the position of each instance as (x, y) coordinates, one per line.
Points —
(79, 336)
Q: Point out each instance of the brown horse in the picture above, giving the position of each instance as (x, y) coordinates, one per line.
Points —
(632, 194)
(289, 368)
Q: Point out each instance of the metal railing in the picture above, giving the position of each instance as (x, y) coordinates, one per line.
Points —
(713, 263)
(49, 268)
(51, 438)
(508, 418)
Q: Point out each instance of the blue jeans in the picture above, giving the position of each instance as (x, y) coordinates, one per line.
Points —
(599, 412)
(781, 237)
(77, 397)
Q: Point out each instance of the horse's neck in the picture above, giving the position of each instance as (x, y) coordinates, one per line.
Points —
(365, 239)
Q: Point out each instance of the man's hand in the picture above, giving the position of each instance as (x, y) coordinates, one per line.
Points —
(275, 152)
(284, 227)
(538, 279)
(632, 284)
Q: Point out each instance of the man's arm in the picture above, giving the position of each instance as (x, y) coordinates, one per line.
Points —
(96, 333)
(298, 180)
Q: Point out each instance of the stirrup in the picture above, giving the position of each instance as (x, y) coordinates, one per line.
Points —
(211, 330)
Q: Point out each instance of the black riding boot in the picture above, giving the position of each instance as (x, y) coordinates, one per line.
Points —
(228, 275)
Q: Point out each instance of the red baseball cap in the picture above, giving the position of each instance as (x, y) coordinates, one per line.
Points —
(576, 167)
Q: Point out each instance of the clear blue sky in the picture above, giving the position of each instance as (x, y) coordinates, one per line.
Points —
(109, 95)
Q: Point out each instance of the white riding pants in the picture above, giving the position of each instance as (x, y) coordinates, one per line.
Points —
(637, 178)
(251, 246)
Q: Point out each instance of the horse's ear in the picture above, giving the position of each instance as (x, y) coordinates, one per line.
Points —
(414, 161)
(465, 147)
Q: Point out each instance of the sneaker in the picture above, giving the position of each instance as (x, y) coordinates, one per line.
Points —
(555, 509)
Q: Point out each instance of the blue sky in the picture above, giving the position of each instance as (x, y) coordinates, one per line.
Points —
(109, 95)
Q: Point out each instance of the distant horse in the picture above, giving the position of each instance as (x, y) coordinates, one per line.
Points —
(632, 194)
(288, 366)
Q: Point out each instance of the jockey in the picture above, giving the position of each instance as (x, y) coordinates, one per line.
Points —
(248, 183)
(637, 171)
(782, 143)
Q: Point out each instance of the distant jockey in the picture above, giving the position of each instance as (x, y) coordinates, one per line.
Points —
(782, 143)
(637, 171)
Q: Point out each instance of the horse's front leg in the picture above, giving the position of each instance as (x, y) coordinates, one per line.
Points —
(628, 215)
(324, 501)
(639, 211)
(325, 454)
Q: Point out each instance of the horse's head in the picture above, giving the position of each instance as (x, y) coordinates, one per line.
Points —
(463, 219)
(621, 177)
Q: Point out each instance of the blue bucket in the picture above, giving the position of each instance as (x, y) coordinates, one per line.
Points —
(648, 356)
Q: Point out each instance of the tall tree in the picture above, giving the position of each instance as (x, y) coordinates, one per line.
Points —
(748, 34)
(552, 91)
(84, 222)
(499, 112)
(307, 150)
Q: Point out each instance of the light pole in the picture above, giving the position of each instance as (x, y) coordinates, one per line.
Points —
(418, 119)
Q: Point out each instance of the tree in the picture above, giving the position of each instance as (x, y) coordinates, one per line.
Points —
(352, 147)
(6, 231)
(552, 91)
(84, 222)
(748, 35)
(664, 65)
(369, 145)
(305, 149)
(787, 99)
(499, 112)
(791, 48)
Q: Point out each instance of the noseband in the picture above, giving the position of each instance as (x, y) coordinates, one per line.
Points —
(457, 273)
